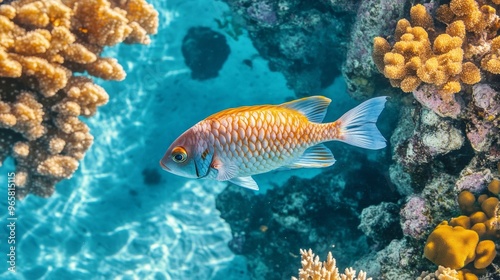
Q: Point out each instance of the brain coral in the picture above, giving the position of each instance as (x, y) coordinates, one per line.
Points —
(42, 43)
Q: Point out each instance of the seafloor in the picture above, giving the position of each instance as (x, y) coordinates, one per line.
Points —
(121, 217)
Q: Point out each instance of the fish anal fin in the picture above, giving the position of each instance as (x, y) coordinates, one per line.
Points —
(246, 182)
(315, 157)
(313, 107)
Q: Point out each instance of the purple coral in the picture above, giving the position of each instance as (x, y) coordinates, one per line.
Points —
(474, 181)
(428, 96)
(263, 13)
(415, 218)
(483, 127)
(486, 98)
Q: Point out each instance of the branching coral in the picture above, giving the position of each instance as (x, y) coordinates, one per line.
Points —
(436, 60)
(42, 43)
(421, 55)
(313, 269)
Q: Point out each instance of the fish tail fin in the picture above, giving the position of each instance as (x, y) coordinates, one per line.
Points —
(358, 126)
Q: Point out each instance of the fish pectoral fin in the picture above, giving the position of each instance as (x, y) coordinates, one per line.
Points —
(246, 182)
(313, 107)
(224, 171)
(314, 157)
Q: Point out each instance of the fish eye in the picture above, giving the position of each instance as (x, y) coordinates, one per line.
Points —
(179, 154)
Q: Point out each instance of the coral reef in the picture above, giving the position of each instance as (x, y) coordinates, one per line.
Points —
(312, 42)
(42, 45)
(446, 141)
(204, 52)
(316, 213)
(302, 39)
(312, 268)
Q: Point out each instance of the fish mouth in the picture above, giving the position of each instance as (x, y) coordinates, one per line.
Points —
(164, 166)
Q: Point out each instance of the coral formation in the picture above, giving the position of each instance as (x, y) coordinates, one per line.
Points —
(302, 39)
(415, 217)
(452, 247)
(447, 139)
(315, 213)
(442, 272)
(423, 55)
(312, 268)
(42, 45)
(468, 238)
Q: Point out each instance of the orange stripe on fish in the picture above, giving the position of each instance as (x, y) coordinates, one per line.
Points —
(234, 144)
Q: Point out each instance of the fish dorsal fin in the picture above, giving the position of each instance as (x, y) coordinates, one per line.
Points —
(313, 107)
(246, 182)
(314, 157)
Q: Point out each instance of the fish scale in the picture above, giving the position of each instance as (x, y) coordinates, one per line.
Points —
(279, 141)
(234, 144)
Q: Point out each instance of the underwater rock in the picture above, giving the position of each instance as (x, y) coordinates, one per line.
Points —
(304, 40)
(422, 136)
(269, 230)
(398, 260)
(204, 52)
(424, 210)
(374, 17)
(381, 223)
(441, 197)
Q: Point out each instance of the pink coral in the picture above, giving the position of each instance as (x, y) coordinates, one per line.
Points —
(428, 96)
(415, 218)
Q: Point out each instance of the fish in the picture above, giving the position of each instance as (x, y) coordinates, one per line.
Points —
(237, 143)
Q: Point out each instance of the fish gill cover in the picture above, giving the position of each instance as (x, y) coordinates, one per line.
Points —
(434, 189)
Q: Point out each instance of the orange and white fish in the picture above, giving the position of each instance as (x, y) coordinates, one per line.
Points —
(235, 144)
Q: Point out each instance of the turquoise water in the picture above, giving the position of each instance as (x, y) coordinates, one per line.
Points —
(106, 222)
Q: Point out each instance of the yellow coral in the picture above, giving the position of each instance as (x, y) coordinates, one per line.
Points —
(394, 66)
(494, 186)
(486, 252)
(470, 74)
(462, 221)
(452, 247)
(42, 43)
(420, 17)
(466, 202)
(453, 59)
(468, 238)
(489, 206)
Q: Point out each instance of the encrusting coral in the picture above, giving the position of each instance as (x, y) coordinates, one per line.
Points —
(313, 269)
(42, 43)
